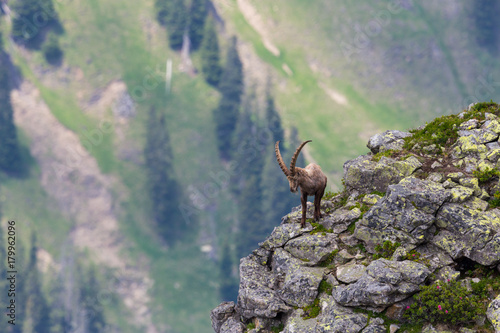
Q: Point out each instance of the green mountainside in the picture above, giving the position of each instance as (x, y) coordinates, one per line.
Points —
(338, 73)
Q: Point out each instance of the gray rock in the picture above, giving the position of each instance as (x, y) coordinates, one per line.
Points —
(340, 219)
(365, 175)
(312, 249)
(405, 214)
(387, 140)
(257, 296)
(374, 329)
(335, 318)
(384, 283)
(468, 232)
(350, 273)
(283, 233)
(298, 284)
(393, 328)
(493, 313)
(221, 314)
(296, 324)
(232, 325)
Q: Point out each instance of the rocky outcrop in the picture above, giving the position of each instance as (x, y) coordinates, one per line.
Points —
(420, 207)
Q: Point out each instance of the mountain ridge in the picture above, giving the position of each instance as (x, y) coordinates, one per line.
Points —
(405, 223)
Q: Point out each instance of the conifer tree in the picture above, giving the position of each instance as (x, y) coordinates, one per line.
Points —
(227, 112)
(89, 298)
(164, 191)
(248, 179)
(210, 54)
(31, 18)
(197, 18)
(278, 200)
(37, 309)
(485, 17)
(10, 159)
(174, 16)
(228, 283)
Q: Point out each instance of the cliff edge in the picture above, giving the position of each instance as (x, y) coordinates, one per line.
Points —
(412, 243)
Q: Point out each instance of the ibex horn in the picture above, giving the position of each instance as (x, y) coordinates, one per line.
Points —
(280, 159)
(296, 155)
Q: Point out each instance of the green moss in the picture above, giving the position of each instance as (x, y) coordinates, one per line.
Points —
(386, 250)
(278, 329)
(325, 287)
(312, 311)
(250, 326)
(319, 228)
(380, 194)
(386, 153)
(351, 227)
(328, 262)
(442, 131)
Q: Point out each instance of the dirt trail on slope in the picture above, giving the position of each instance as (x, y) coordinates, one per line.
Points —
(72, 177)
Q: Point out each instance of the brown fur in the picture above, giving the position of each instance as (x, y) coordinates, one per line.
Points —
(311, 181)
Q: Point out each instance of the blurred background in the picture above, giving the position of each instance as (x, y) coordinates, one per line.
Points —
(137, 137)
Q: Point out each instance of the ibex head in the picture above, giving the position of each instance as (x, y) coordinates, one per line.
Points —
(291, 174)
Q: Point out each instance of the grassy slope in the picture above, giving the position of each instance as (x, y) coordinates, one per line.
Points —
(107, 41)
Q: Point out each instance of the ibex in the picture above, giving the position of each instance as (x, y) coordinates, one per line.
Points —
(311, 180)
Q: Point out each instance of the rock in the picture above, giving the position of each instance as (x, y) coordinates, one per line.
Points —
(493, 313)
(312, 249)
(296, 324)
(299, 286)
(469, 233)
(480, 135)
(469, 124)
(221, 314)
(340, 219)
(384, 283)
(365, 175)
(232, 325)
(471, 183)
(405, 214)
(387, 140)
(469, 146)
(371, 199)
(350, 273)
(283, 233)
(374, 329)
(336, 318)
(460, 193)
(397, 310)
(393, 328)
(257, 296)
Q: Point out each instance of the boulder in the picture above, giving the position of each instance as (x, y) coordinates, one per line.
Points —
(283, 233)
(335, 318)
(384, 283)
(493, 313)
(298, 284)
(387, 140)
(221, 314)
(365, 175)
(406, 214)
(312, 249)
(257, 296)
(469, 232)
